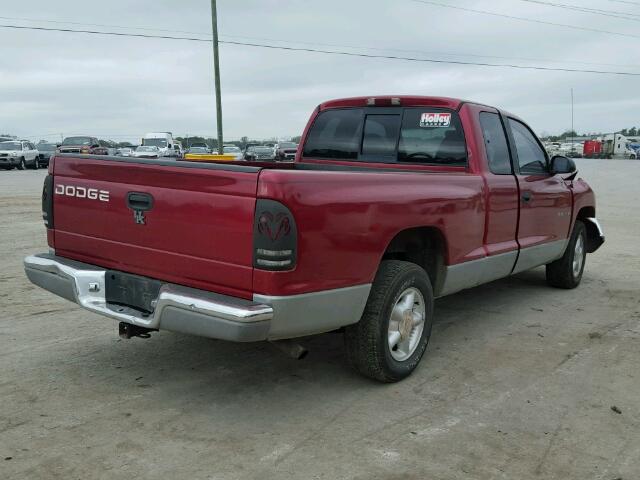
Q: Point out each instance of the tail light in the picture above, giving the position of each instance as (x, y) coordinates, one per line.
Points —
(47, 201)
(275, 237)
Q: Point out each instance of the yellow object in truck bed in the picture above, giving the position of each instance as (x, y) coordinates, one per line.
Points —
(207, 157)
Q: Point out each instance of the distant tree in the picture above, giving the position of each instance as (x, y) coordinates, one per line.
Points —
(296, 139)
(624, 132)
(633, 131)
(243, 142)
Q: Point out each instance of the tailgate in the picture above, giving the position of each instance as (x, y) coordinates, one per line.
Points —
(180, 222)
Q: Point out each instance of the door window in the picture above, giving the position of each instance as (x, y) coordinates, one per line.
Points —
(531, 156)
(495, 143)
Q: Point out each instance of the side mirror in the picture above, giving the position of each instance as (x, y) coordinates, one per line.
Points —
(561, 164)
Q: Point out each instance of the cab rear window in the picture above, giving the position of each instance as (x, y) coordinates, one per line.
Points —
(422, 135)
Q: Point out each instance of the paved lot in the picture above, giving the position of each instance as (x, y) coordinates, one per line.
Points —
(517, 383)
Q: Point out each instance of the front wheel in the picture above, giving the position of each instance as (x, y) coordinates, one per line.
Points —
(35, 164)
(392, 335)
(22, 165)
(566, 272)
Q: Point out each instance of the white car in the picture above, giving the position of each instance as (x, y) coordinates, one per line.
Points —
(124, 152)
(233, 150)
(19, 153)
(146, 151)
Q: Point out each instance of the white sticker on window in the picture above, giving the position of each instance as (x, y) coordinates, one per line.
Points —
(435, 119)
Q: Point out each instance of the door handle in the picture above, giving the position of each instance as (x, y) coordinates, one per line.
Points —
(527, 197)
(140, 202)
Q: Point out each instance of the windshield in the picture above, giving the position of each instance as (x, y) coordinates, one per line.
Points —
(77, 141)
(147, 148)
(155, 142)
(46, 147)
(231, 149)
(198, 149)
(262, 149)
(288, 145)
(10, 146)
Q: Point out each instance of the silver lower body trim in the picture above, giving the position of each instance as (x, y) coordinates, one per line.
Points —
(542, 254)
(476, 272)
(316, 312)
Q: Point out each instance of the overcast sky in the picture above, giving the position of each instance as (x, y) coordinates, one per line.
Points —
(121, 88)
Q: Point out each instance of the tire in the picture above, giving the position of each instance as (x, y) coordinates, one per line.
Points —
(22, 165)
(566, 272)
(35, 164)
(367, 342)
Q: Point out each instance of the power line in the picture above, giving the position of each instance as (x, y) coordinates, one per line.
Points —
(102, 25)
(594, 11)
(523, 19)
(328, 52)
(627, 2)
(360, 47)
(423, 52)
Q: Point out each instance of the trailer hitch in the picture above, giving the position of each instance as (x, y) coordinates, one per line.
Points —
(127, 330)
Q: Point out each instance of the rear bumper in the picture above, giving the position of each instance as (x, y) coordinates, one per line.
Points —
(203, 313)
(177, 308)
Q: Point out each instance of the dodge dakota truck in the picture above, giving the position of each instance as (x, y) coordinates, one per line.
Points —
(391, 202)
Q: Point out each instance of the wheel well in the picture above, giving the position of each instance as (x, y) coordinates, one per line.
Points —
(593, 236)
(424, 246)
(586, 212)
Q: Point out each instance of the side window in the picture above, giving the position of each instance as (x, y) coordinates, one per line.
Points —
(531, 156)
(380, 135)
(335, 134)
(432, 136)
(31, 146)
(495, 143)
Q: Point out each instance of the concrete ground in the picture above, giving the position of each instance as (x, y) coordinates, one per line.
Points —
(518, 381)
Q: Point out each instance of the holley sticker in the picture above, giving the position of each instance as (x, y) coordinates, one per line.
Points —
(435, 119)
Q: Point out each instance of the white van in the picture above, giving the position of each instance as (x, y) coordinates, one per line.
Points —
(163, 140)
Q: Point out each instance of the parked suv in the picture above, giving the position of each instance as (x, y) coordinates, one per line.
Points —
(88, 145)
(285, 151)
(18, 153)
(256, 153)
(45, 151)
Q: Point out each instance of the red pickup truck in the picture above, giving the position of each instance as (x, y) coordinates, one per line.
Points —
(390, 203)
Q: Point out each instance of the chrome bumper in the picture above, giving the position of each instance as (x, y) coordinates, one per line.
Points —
(177, 308)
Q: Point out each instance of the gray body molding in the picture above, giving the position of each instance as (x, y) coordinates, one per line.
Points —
(317, 312)
(476, 272)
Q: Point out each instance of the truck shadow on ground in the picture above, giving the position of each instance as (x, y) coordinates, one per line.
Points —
(180, 370)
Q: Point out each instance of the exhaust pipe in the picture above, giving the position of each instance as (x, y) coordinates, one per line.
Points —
(291, 349)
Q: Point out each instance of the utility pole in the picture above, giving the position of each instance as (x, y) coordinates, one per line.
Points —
(572, 131)
(216, 68)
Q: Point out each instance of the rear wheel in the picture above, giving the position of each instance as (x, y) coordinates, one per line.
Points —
(392, 335)
(566, 272)
(22, 165)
